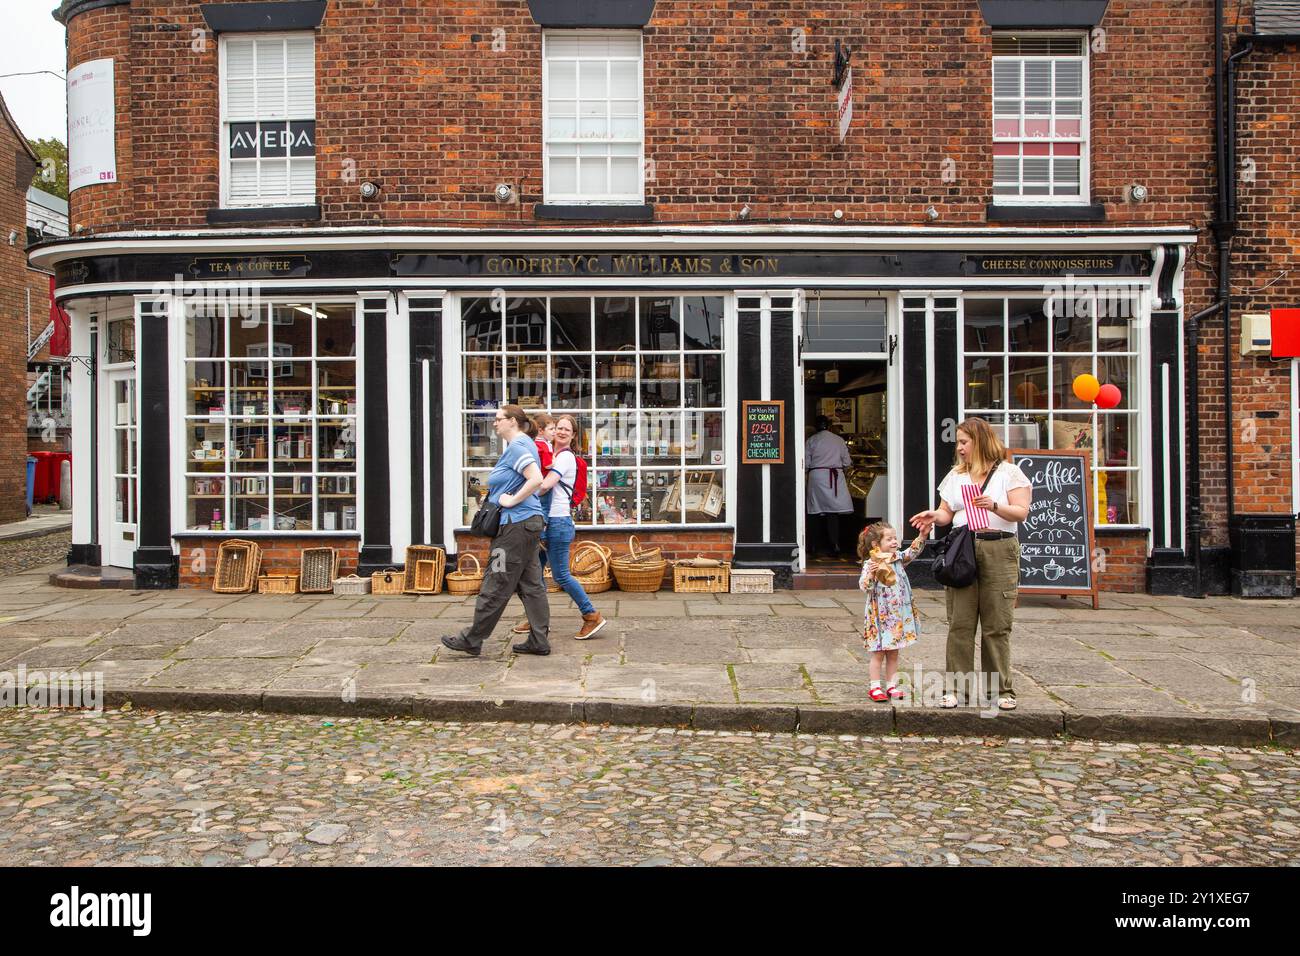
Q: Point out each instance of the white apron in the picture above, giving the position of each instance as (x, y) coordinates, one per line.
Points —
(826, 455)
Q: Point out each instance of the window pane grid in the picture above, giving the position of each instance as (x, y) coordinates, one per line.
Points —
(1027, 395)
(593, 124)
(271, 433)
(1039, 129)
(647, 394)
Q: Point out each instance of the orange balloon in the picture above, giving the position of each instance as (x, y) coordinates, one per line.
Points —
(1086, 387)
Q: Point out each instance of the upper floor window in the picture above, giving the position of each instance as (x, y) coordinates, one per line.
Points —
(268, 119)
(1040, 119)
(593, 124)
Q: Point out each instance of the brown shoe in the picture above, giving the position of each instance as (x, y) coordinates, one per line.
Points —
(591, 623)
(523, 627)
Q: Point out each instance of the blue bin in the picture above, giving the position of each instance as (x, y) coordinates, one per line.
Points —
(31, 482)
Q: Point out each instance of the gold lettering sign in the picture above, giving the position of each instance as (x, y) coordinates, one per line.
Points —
(249, 267)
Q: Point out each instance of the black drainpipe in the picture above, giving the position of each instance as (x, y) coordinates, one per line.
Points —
(93, 370)
(1193, 391)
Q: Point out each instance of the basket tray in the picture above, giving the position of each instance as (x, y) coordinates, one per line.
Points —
(317, 569)
(237, 565)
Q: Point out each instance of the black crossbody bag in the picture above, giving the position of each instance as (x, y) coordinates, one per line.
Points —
(954, 564)
(487, 520)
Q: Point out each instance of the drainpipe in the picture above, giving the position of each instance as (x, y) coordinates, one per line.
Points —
(1193, 390)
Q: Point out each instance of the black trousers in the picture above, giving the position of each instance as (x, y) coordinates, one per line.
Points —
(824, 534)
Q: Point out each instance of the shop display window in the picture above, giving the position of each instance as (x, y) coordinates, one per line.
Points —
(270, 418)
(1026, 388)
(642, 374)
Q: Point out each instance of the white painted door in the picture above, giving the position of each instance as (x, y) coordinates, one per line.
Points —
(123, 464)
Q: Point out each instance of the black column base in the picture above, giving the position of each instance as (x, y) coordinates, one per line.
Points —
(156, 569)
(1215, 562)
(375, 557)
(1170, 573)
(778, 558)
(1263, 555)
(84, 554)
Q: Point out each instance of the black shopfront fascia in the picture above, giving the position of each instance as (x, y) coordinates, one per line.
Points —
(947, 269)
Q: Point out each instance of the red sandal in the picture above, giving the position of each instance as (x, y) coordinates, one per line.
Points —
(897, 693)
(878, 695)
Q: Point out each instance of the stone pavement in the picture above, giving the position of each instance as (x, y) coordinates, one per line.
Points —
(1141, 668)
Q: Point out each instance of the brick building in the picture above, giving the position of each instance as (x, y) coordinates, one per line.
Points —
(17, 166)
(326, 238)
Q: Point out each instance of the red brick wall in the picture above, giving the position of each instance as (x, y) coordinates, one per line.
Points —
(416, 97)
(16, 169)
(1125, 567)
(198, 557)
(674, 544)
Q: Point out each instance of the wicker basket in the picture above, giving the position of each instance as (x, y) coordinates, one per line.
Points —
(416, 553)
(640, 569)
(237, 565)
(623, 367)
(549, 578)
(752, 581)
(664, 370)
(533, 370)
(318, 568)
(277, 584)
(388, 581)
(689, 578)
(590, 565)
(352, 585)
(465, 582)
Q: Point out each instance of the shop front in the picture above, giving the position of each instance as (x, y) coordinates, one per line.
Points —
(327, 388)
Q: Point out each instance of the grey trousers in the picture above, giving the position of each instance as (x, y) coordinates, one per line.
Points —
(512, 568)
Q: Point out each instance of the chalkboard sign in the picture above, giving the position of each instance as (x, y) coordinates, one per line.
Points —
(1056, 539)
(764, 424)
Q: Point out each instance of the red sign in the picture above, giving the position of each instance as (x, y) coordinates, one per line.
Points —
(1286, 333)
(61, 340)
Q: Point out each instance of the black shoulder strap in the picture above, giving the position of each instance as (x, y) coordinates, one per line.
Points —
(989, 477)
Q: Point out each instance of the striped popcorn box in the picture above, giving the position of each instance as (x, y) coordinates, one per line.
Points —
(977, 519)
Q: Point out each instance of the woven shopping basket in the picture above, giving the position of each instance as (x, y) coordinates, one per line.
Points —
(641, 569)
(465, 582)
(590, 565)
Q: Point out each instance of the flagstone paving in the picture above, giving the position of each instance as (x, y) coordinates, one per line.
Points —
(789, 656)
(132, 788)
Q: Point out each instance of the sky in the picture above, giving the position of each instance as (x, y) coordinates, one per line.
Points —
(31, 39)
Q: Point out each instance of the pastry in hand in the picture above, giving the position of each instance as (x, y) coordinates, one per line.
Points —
(885, 573)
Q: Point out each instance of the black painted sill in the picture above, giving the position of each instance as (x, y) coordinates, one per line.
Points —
(1120, 531)
(629, 213)
(1000, 212)
(1042, 14)
(225, 216)
(276, 15)
(606, 14)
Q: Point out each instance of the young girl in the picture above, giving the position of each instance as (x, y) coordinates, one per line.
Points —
(889, 622)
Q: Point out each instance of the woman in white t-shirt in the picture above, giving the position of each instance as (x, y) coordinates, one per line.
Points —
(991, 600)
(560, 531)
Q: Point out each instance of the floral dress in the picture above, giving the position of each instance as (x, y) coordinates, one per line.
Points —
(890, 621)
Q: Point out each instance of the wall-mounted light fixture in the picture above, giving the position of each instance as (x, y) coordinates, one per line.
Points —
(1137, 193)
(744, 212)
(370, 190)
(931, 213)
(505, 193)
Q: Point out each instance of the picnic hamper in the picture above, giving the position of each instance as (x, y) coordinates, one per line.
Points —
(701, 576)
(388, 581)
(277, 584)
(352, 585)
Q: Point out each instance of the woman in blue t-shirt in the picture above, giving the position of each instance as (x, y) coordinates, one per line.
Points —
(512, 566)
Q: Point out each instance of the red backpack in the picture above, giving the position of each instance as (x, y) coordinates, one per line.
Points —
(578, 493)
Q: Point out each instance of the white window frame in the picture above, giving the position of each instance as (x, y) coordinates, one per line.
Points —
(228, 474)
(1295, 436)
(1084, 197)
(224, 125)
(1140, 465)
(579, 199)
(458, 470)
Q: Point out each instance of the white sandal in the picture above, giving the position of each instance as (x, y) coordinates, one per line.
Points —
(1006, 703)
(949, 701)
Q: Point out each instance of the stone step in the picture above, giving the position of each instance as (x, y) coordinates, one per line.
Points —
(93, 578)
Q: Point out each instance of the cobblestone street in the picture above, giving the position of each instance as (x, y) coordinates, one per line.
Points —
(209, 789)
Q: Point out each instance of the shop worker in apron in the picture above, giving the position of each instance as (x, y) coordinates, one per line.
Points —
(826, 455)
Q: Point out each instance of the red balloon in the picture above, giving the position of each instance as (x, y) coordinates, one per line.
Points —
(1108, 396)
